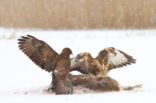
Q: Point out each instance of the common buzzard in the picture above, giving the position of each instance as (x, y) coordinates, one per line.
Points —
(107, 59)
(46, 57)
(62, 84)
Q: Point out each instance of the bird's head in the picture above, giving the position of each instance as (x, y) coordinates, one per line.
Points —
(102, 56)
(105, 54)
(66, 52)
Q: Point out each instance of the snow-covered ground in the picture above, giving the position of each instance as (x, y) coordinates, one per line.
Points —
(21, 81)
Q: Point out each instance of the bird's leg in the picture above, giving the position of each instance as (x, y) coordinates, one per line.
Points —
(62, 83)
(131, 87)
(52, 84)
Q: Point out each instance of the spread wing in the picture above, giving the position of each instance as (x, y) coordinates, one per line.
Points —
(118, 58)
(110, 57)
(38, 51)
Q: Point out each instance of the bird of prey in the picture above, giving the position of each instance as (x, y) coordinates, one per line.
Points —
(107, 59)
(46, 57)
(62, 84)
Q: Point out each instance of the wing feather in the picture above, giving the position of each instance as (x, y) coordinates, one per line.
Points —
(84, 62)
(38, 51)
(118, 58)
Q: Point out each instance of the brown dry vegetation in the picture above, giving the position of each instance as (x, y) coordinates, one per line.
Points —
(78, 14)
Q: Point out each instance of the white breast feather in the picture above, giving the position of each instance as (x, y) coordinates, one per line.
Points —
(76, 62)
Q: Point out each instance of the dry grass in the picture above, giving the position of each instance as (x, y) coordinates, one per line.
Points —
(78, 14)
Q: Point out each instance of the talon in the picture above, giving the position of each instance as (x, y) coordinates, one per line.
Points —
(50, 89)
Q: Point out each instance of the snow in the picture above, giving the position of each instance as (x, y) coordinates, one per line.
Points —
(21, 81)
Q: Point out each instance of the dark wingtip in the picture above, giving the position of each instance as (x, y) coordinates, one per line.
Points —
(20, 43)
(24, 37)
(132, 60)
(21, 40)
(30, 36)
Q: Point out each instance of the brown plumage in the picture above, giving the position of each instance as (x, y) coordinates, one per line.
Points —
(64, 86)
(107, 59)
(38, 51)
(99, 83)
(44, 56)
(61, 82)
(48, 59)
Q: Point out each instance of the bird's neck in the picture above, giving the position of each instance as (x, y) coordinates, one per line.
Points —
(65, 56)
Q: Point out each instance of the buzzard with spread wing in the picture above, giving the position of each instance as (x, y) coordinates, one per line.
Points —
(43, 55)
(107, 59)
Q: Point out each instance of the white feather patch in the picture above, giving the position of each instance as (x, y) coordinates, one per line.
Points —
(81, 60)
(73, 62)
(55, 71)
(117, 59)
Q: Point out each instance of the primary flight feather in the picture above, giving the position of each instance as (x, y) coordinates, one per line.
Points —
(38, 51)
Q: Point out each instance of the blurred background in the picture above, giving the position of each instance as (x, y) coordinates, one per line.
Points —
(78, 14)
